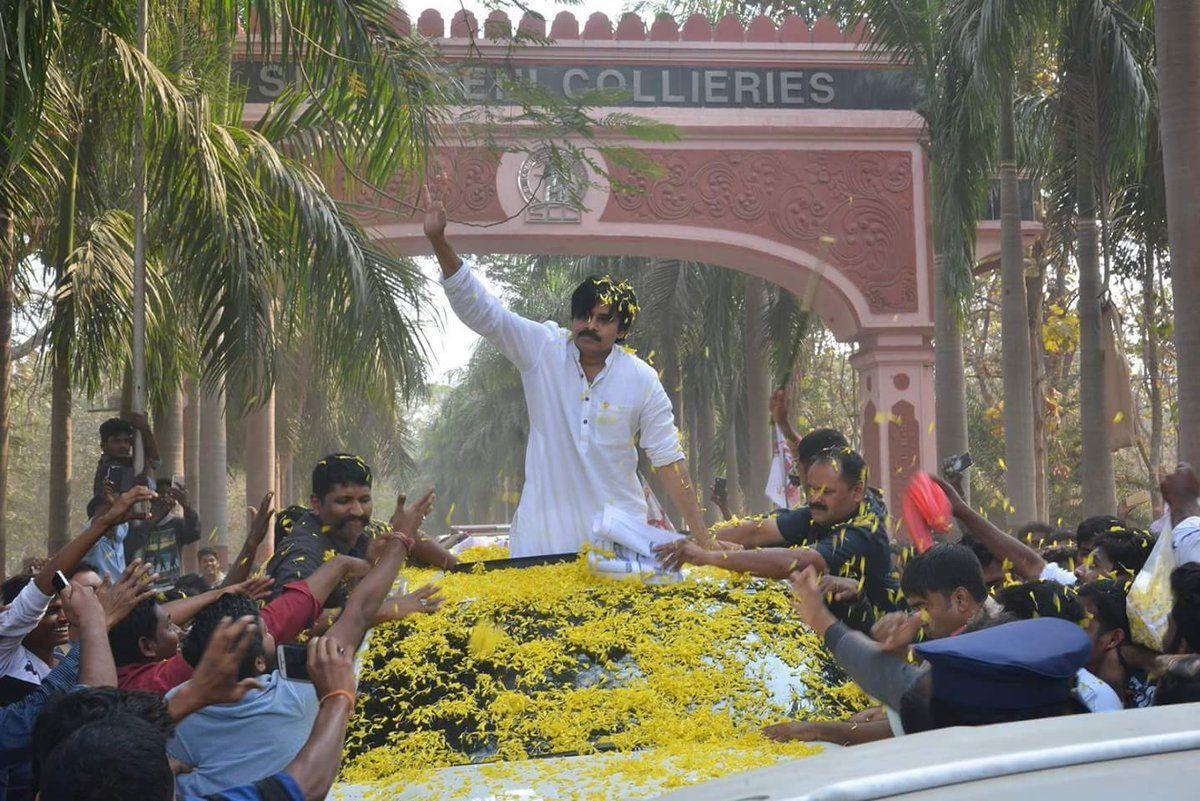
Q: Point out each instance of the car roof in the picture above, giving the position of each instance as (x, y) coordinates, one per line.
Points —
(1094, 756)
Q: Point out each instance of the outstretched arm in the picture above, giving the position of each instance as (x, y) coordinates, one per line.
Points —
(520, 340)
(435, 232)
(331, 666)
(753, 532)
(119, 511)
(774, 563)
(363, 604)
(679, 487)
(1027, 562)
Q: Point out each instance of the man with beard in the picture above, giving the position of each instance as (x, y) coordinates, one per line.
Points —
(339, 523)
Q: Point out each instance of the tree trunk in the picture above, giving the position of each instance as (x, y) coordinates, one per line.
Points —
(191, 439)
(1034, 283)
(757, 396)
(214, 511)
(732, 466)
(948, 374)
(259, 458)
(1177, 26)
(1154, 390)
(168, 431)
(703, 434)
(59, 520)
(1096, 468)
(59, 516)
(8, 271)
(1020, 473)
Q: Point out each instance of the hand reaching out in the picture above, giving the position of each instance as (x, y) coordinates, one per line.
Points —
(331, 667)
(674, 555)
(839, 588)
(215, 680)
(256, 588)
(408, 519)
(809, 601)
(260, 519)
(120, 507)
(426, 601)
(81, 606)
(131, 589)
(896, 631)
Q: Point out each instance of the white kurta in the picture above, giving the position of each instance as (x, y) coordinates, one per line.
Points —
(581, 452)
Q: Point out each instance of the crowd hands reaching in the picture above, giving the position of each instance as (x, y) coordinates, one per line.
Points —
(919, 631)
(121, 676)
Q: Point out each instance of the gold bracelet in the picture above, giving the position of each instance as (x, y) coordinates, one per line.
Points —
(349, 696)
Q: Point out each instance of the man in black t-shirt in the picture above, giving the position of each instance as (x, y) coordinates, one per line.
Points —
(163, 540)
(842, 532)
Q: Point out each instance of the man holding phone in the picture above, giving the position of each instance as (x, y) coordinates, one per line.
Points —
(591, 405)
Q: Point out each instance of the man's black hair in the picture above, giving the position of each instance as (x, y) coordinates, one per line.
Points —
(851, 467)
(189, 585)
(67, 712)
(95, 503)
(114, 426)
(1093, 527)
(206, 551)
(1185, 604)
(603, 289)
(124, 637)
(817, 441)
(205, 623)
(1108, 597)
(981, 551)
(1064, 556)
(286, 519)
(339, 469)
(12, 587)
(119, 758)
(1127, 549)
(943, 569)
(1181, 682)
(1041, 534)
(1041, 598)
(83, 567)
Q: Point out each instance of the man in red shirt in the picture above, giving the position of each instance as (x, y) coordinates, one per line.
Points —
(146, 644)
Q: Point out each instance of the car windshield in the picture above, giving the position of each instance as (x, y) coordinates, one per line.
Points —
(547, 661)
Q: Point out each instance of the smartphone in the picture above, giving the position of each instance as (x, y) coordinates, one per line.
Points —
(957, 465)
(177, 481)
(721, 485)
(59, 581)
(292, 661)
(113, 476)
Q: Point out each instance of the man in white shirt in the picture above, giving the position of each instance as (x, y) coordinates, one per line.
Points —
(590, 402)
(1180, 491)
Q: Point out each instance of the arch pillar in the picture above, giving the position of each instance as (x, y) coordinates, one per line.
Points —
(895, 375)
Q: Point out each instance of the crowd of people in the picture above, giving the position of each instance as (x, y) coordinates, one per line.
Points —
(136, 664)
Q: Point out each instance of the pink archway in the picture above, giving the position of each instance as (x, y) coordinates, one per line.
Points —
(799, 161)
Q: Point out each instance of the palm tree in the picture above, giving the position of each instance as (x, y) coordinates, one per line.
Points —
(958, 136)
(1177, 33)
(992, 35)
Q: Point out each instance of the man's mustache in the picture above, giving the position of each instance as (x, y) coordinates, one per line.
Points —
(818, 505)
(358, 519)
(587, 334)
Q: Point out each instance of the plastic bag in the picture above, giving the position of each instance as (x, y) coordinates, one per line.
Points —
(1149, 599)
(926, 509)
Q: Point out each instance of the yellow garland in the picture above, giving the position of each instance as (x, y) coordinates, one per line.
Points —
(551, 660)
